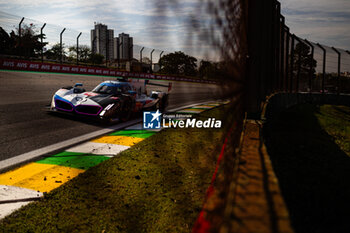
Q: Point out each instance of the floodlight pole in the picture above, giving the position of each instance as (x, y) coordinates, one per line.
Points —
(42, 48)
(61, 44)
(78, 48)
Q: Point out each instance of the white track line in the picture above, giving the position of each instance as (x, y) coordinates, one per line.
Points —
(98, 148)
(16, 197)
(60, 145)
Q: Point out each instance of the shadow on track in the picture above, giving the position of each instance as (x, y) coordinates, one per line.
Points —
(313, 171)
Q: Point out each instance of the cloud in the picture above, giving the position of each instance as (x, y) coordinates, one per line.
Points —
(165, 25)
(323, 21)
(152, 23)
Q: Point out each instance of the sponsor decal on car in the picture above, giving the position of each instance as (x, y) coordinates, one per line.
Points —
(90, 94)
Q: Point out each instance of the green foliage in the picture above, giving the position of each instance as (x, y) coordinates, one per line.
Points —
(178, 63)
(96, 58)
(305, 59)
(335, 120)
(84, 53)
(55, 52)
(7, 42)
(212, 70)
(157, 185)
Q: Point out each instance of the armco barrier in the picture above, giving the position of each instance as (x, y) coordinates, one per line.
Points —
(11, 64)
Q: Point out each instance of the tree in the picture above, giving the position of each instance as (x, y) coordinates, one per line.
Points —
(96, 58)
(28, 45)
(146, 60)
(55, 52)
(84, 53)
(7, 43)
(208, 70)
(178, 63)
(305, 61)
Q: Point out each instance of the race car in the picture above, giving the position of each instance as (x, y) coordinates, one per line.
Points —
(110, 100)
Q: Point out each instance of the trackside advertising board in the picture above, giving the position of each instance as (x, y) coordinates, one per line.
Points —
(11, 64)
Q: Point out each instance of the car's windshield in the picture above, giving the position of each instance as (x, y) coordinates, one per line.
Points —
(107, 89)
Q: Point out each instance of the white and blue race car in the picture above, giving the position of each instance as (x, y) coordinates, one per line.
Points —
(109, 101)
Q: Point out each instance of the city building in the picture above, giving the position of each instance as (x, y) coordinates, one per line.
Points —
(102, 41)
(123, 47)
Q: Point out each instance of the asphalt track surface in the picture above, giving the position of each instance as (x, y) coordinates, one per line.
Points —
(25, 124)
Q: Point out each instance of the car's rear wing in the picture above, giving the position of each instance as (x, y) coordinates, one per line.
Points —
(169, 86)
(140, 85)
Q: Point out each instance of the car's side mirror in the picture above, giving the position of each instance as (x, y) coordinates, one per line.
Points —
(78, 85)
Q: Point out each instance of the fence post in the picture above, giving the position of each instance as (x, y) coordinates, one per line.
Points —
(61, 44)
(292, 64)
(311, 63)
(151, 60)
(282, 22)
(277, 46)
(324, 66)
(141, 55)
(299, 64)
(78, 49)
(41, 39)
(339, 63)
(20, 36)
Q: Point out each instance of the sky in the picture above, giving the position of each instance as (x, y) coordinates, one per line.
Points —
(323, 21)
(142, 19)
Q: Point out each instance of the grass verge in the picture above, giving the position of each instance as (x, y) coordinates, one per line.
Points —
(309, 149)
(335, 120)
(157, 185)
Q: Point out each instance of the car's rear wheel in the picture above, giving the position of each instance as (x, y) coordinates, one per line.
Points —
(126, 110)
